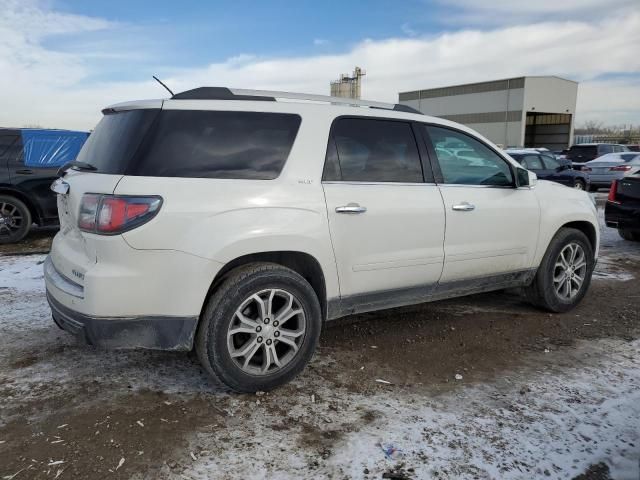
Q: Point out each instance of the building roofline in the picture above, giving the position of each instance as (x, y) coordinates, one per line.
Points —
(489, 81)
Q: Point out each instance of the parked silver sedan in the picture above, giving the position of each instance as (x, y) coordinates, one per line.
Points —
(634, 167)
(607, 168)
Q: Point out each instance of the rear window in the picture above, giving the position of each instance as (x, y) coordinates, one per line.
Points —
(627, 157)
(193, 143)
(582, 153)
(112, 145)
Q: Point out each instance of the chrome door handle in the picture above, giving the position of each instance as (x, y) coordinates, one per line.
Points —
(351, 208)
(464, 207)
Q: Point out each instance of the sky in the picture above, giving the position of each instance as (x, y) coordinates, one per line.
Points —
(62, 61)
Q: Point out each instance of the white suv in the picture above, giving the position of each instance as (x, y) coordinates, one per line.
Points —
(238, 222)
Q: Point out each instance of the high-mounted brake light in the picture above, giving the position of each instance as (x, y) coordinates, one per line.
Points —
(113, 214)
(612, 192)
(620, 168)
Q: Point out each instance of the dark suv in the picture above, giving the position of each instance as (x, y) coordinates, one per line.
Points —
(585, 152)
(29, 162)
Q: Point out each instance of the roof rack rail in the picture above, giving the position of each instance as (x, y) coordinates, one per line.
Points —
(223, 93)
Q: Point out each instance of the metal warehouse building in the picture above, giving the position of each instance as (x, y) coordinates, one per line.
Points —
(515, 112)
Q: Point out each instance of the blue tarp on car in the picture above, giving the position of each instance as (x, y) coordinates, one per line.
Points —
(51, 148)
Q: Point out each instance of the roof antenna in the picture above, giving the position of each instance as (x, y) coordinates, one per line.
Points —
(160, 82)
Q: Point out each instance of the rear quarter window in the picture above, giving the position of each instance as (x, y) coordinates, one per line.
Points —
(216, 144)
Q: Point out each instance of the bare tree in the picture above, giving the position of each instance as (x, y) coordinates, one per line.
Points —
(591, 127)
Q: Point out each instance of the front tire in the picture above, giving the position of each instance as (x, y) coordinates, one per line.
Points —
(15, 219)
(579, 185)
(631, 235)
(564, 275)
(259, 329)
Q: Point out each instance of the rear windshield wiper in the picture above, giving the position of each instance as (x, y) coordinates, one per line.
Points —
(76, 165)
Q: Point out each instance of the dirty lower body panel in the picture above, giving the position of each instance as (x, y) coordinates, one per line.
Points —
(153, 332)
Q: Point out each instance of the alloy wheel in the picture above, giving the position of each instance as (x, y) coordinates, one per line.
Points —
(11, 219)
(569, 271)
(266, 331)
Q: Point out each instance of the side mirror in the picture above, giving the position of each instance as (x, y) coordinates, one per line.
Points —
(526, 178)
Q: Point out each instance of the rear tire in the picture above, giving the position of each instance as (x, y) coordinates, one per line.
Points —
(631, 235)
(579, 185)
(556, 286)
(244, 340)
(15, 219)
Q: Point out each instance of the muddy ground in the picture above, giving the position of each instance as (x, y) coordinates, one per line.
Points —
(480, 387)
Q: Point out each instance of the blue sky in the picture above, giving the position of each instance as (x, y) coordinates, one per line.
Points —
(61, 61)
(188, 33)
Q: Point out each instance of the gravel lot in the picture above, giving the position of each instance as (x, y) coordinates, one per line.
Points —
(480, 387)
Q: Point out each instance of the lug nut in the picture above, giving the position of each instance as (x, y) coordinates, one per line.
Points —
(276, 334)
(259, 339)
(266, 320)
(258, 329)
(269, 342)
(275, 323)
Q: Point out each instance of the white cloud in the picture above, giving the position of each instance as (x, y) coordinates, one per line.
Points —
(484, 12)
(541, 6)
(38, 85)
(617, 101)
(318, 42)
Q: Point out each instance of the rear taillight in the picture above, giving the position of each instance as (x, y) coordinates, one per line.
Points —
(113, 214)
(585, 169)
(88, 210)
(612, 192)
(620, 168)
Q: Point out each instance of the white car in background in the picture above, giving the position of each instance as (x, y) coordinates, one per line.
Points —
(607, 168)
(237, 224)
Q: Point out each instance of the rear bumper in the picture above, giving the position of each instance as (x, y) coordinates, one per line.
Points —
(601, 183)
(622, 216)
(156, 332)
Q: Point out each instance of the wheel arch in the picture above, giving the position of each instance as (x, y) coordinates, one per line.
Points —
(303, 263)
(587, 228)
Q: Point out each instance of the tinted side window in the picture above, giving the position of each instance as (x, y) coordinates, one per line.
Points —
(214, 144)
(475, 164)
(6, 141)
(376, 151)
(605, 149)
(531, 162)
(551, 163)
(331, 170)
